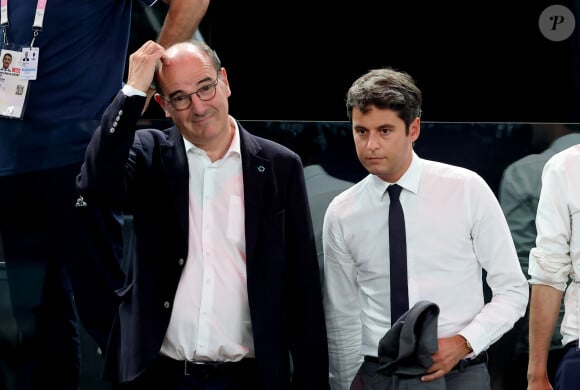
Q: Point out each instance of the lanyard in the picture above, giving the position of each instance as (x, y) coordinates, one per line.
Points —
(36, 25)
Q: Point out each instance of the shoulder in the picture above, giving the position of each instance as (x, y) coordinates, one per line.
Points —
(149, 136)
(448, 172)
(451, 181)
(563, 166)
(349, 197)
(532, 163)
(566, 157)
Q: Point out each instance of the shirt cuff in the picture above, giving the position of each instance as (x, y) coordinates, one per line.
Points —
(131, 91)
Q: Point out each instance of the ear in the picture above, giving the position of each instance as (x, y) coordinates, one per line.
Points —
(163, 104)
(415, 129)
(224, 77)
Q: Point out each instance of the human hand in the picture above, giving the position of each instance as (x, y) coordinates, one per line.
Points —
(142, 65)
(451, 351)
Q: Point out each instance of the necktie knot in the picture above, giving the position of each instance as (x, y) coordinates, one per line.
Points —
(394, 192)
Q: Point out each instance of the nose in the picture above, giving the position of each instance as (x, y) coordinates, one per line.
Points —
(197, 105)
(372, 142)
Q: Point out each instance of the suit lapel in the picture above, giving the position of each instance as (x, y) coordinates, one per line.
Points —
(256, 170)
(175, 167)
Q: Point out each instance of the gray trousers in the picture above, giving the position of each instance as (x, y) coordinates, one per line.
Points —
(474, 377)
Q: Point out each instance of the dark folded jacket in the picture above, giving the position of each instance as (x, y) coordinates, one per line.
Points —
(405, 350)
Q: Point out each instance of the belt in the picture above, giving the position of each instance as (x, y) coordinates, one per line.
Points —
(207, 369)
(479, 359)
(464, 363)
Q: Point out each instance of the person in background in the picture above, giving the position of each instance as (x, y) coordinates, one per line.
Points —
(223, 288)
(553, 266)
(316, 147)
(455, 229)
(519, 194)
(81, 51)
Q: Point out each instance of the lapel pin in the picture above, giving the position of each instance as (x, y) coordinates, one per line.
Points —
(80, 202)
(261, 169)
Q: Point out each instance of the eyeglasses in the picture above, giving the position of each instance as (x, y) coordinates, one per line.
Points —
(183, 102)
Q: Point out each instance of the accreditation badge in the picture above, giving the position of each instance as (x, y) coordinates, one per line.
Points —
(13, 87)
(29, 63)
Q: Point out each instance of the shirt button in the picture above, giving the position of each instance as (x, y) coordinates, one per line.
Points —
(166, 304)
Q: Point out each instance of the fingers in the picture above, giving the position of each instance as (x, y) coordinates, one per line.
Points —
(432, 376)
(442, 363)
(437, 370)
(142, 65)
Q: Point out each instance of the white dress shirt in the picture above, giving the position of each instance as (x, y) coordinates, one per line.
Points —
(210, 320)
(556, 256)
(454, 227)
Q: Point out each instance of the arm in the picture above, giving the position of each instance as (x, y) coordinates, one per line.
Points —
(182, 20)
(342, 307)
(99, 273)
(550, 266)
(544, 308)
(495, 252)
(110, 145)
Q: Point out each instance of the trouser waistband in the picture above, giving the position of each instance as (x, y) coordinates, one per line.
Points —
(479, 359)
(464, 363)
(207, 369)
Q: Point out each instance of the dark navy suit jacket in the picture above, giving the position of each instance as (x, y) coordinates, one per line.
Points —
(146, 173)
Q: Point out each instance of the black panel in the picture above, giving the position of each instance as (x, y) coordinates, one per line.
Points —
(484, 61)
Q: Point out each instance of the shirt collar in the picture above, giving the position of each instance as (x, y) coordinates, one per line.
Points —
(234, 146)
(409, 181)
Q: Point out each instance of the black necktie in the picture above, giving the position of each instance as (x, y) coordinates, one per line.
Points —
(397, 255)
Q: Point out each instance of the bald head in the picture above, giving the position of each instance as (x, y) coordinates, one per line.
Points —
(187, 48)
(183, 52)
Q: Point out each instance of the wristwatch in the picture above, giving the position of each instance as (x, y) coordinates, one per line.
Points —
(467, 345)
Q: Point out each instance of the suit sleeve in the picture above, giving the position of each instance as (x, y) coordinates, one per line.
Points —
(97, 239)
(106, 168)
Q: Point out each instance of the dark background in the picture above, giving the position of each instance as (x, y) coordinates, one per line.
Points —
(474, 61)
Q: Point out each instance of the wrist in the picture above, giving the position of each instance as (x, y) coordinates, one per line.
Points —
(129, 90)
(467, 345)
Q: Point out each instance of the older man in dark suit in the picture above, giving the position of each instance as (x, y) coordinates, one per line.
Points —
(223, 287)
